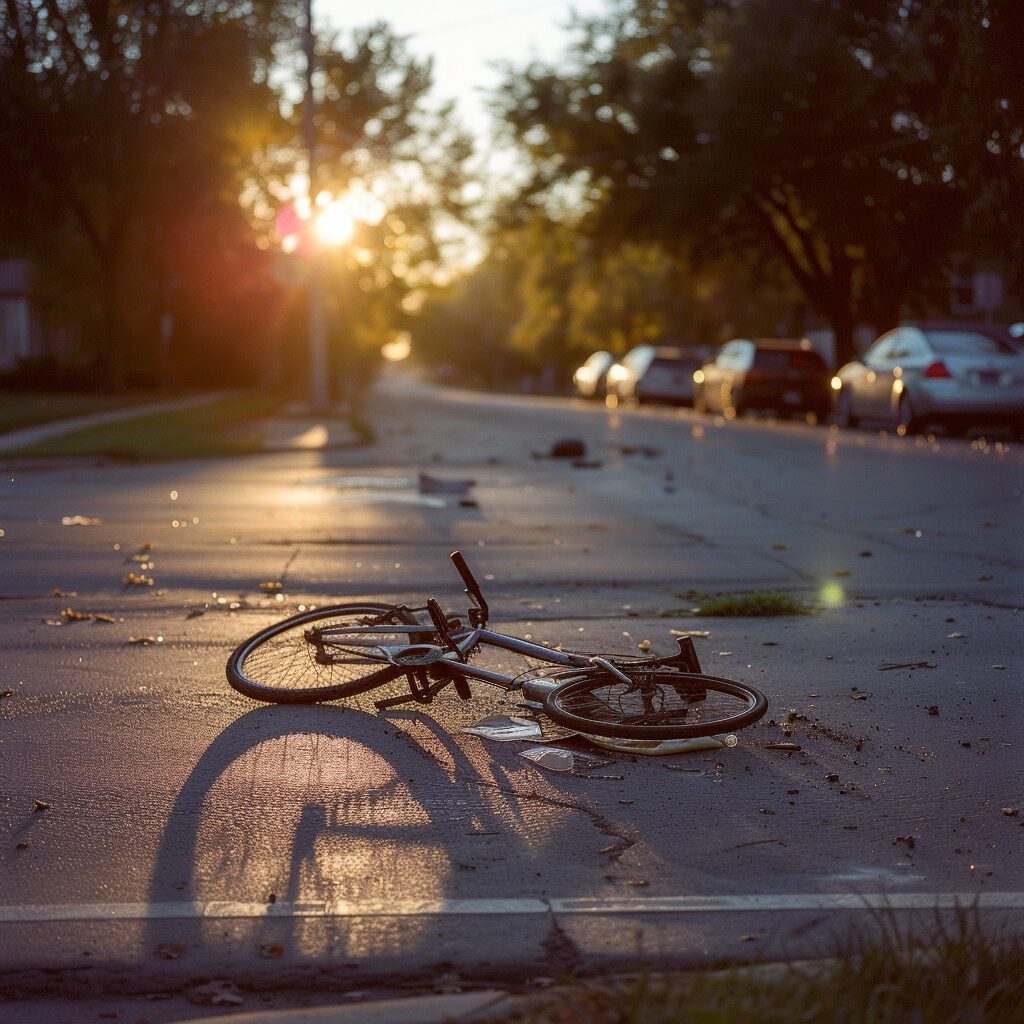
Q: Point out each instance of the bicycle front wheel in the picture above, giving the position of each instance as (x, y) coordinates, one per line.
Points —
(654, 705)
(304, 659)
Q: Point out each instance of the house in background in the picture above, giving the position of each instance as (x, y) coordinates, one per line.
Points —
(26, 336)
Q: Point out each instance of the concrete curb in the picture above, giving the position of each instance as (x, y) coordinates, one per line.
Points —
(442, 1009)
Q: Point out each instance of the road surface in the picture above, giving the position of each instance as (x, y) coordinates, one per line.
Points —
(184, 833)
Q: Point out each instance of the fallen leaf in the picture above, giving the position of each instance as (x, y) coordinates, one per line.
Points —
(268, 952)
(860, 695)
(933, 709)
(782, 746)
(98, 617)
(751, 937)
(170, 950)
(70, 615)
(1010, 812)
(271, 586)
(53, 622)
(40, 805)
(137, 579)
(644, 645)
(6, 693)
(907, 841)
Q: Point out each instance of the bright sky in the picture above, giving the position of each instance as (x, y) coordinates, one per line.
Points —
(465, 39)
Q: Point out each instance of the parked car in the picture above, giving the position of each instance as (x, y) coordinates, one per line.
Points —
(956, 375)
(783, 375)
(589, 379)
(652, 373)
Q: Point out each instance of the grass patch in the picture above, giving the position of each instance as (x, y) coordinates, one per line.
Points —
(956, 973)
(30, 408)
(224, 427)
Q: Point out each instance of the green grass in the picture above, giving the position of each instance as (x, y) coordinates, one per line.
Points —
(757, 604)
(29, 408)
(957, 973)
(224, 427)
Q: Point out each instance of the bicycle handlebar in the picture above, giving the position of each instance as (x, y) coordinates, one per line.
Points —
(478, 615)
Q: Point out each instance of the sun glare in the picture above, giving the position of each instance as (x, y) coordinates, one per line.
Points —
(335, 225)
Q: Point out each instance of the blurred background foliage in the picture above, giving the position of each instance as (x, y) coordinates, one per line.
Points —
(690, 170)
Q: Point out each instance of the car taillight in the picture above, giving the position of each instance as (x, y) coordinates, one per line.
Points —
(755, 376)
(937, 369)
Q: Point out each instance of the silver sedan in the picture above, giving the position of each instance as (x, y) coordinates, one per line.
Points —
(957, 376)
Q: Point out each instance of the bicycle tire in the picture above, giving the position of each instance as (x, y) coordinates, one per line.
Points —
(659, 704)
(279, 664)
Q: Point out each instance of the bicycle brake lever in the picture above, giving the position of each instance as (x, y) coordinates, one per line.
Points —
(440, 621)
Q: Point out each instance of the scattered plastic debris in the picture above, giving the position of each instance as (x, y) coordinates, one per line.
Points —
(219, 992)
(436, 485)
(505, 729)
(658, 748)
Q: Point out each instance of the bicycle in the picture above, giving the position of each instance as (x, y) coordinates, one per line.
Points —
(343, 650)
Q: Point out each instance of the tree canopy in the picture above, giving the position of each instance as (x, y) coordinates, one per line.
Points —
(852, 142)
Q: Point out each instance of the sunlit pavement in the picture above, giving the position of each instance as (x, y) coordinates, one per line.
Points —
(191, 836)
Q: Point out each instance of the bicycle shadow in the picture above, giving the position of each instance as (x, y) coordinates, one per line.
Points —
(291, 810)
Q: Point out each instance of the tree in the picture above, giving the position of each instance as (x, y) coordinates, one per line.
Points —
(121, 121)
(835, 138)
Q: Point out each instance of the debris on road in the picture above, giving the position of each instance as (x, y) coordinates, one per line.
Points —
(170, 950)
(505, 728)
(6, 693)
(137, 579)
(568, 448)
(888, 666)
(1010, 812)
(40, 805)
(219, 992)
(437, 485)
(270, 586)
(80, 521)
(791, 747)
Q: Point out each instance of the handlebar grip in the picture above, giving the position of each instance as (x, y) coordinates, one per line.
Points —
(472, 587)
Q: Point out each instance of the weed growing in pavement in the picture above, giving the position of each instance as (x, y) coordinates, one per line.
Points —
(959, 972)
(756, 605)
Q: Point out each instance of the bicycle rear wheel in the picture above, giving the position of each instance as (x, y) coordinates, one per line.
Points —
(656, 704)
(294, 662)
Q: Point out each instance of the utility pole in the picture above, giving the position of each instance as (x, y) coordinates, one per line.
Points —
(318, 390)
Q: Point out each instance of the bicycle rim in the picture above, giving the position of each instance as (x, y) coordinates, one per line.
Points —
(656, 704)
(292, 663)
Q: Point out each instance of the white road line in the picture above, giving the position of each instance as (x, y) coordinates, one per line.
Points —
(773, 903)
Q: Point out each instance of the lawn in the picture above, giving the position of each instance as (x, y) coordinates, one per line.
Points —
(28, 408)
(228, 426)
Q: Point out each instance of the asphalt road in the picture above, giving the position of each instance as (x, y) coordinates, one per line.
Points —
(191, 835)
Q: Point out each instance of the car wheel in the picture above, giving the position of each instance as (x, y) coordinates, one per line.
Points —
(844, 411)
(906, 420)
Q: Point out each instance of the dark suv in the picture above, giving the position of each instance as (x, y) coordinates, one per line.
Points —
(783, 375)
